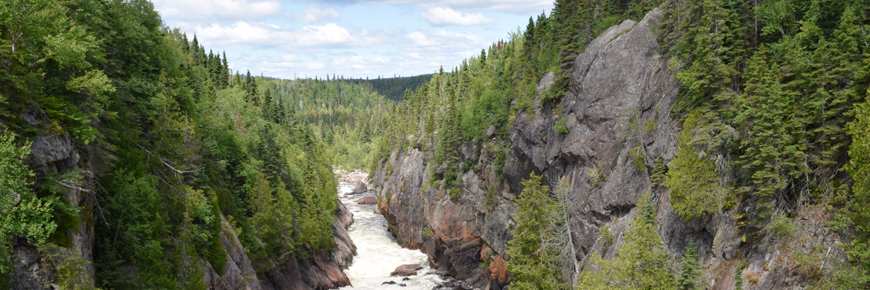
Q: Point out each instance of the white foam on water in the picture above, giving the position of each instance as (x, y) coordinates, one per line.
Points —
(378, 252)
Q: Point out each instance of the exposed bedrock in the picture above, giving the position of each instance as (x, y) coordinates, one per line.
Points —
(619, 99)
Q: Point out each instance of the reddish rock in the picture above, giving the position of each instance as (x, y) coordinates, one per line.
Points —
(498, 270)
(406, 270)
(367, 200)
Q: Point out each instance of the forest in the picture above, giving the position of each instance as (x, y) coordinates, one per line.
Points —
(790, 77)
(174, 147)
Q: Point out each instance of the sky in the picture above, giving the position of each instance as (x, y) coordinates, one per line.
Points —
(351, 38)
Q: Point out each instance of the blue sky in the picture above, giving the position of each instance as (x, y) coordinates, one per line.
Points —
(353, 38)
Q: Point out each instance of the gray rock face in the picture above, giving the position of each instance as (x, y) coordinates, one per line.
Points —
(32, 268)
(619, 100)
(619, 81)
(238, 272)
(321, 270)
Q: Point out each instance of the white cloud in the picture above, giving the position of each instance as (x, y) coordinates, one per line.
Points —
(446, 38)
(315, 14)
(252, 58)
(226, 9)
(522, 7)
(289, 58)
(242, 32)
(358, 62)
(444, 16)
(315, 65)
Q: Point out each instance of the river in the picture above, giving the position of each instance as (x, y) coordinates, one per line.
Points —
(378, 252)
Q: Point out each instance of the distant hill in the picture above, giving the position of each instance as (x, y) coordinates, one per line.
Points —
(394, 88)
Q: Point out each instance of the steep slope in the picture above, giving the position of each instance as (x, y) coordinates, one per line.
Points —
(130, 158)
(621, 137)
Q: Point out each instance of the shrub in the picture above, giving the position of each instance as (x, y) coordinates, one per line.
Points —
(637, 157)
(606, 236)
(595, 176)
(692, 178)
(454, 192)
(782, 227)
(560, 126)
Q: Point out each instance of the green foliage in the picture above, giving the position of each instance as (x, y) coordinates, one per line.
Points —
(176, 145)
(693, 179)
(560, 126)
(22, 213)
(638, 157)
(530, 263)
(785, 74)
(348, 115)
(690, 270)
(738, 273)
(70, 268)
(854, 217)
(782, 228)
(392, 88)
(595, 175)
(641, 263)
(606, 236)
(659, 173)
(427, 232)
(491, 195)
(454, 192)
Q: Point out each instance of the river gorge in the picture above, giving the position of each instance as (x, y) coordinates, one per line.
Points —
(378, 252)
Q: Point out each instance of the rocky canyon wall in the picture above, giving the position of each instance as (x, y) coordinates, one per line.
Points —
(618, 115)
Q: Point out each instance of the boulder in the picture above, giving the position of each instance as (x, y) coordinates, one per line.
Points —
(367, 200)
(406, 270)
(360, 187)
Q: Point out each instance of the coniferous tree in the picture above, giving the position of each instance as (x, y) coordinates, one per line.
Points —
(642, 261)
(225, 71)
(528, 262)
(690, 270)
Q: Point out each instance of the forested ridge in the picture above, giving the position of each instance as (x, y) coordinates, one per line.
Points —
(772, 103)
(394, 88)
(346, 115)
(172, 148)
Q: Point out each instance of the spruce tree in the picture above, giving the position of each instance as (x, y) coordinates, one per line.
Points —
(690, 271)
(225, 71)
(268, 107)
(527, 262)
(641, 263)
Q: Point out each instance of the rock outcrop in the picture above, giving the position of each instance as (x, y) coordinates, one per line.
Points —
(406, 270)
(367, 200)
(238, 272)
(618, 102)
(320, 270)
(36, 268)
(360, 187)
